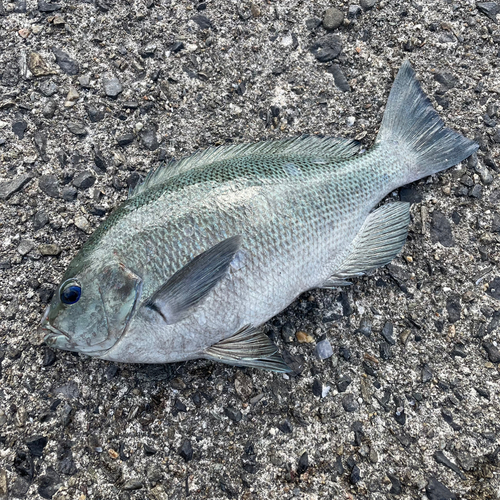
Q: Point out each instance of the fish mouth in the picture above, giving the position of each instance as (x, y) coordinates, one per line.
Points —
(50, 333)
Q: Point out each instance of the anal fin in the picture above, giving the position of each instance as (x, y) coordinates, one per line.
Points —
(248, 347)
(379, 240)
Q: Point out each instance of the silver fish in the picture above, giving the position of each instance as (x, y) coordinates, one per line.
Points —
(210, 247)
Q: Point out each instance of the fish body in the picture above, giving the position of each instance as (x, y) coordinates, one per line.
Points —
(209, 248)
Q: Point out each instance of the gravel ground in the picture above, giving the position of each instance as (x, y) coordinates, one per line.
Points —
(95, 93)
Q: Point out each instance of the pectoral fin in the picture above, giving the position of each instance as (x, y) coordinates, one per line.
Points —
(380, 239)
(188, 286)
(248, 347)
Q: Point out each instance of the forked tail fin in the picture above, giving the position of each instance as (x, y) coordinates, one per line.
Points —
(412, 127)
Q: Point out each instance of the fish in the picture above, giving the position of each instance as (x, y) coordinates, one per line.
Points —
(209, 247)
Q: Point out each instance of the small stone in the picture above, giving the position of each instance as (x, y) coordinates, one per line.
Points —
(48, 88)
(492, 351)
(84, 180)
(202, 21)
(176, 47)
(84, 81)
(112, 86)
(384, 350)
(38, 66)
(453, 308)
(441, 458)
(438, 491)
(186, 450)
(49, 185)
(367, 4)
(317, 388)
(355, 476)
(40, 219)
(40, 140)
(25, 247)
(349, 403)
(447, 80)
(343, 383)
(494, 288)
(400, 415)
(313, 23)
(243, 386)
(125, 139)
(49, 109)
(19, 128)
(77, 128)
(286, 427)
(365, 327)
(95, 115)
(491, 9)
(339, 78)
(476, 191)
(303, 464)
(82, 223)
(49, 357)
(64, 61)
(387, 333)
(69, 193)
(131, 485)
(483, 392)
(396, 487)
(233, 414)
(49, 250)
(333, 18)
(8, 188)
(44, 6)
(3, 485)
(327, 48)
(304, 338)
(441, 229)
(72, 95)
(288, 332)
(36, 444)
(149, 139)
(324, 349)
(354, 11)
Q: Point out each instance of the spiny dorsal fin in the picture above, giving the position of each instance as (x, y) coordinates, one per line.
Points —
(248, 347)
(329, 148)
(379, 240)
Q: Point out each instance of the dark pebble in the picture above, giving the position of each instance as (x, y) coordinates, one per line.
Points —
(179, 406)
(176, 47)
(133, 179)
(494, 288)
(111, 371)
(438, 491)
(69, 193)
(49, 109)
(196, 398)
(355, 476)
(327, 48)
(349, 403)
(49, 357)
(441, 229)
(95, 115)
(396, 488)
(482, 391)
(285, 427)
(202, 21)
(49, 483)
(186, 450)
(387, 333)
(69, 390)
(491, 9)
(368, 4)
(495, 224)
(339, 78)
(365, 327)
(84, 180)
(426, 374)
(459, 350)
(149, 451)
(492, 351)
(288, 331)
(303, 464)
(295, 362)
(40, 140)
(441, 458)
(112, 86)
(97, 210)
(476, 191)
(233, 414)
(49, 185)
(454, 308)
(47, 6)
(333, 18)
(19, 128)
(345, 352)
(400, 415)
(40, 219)
(77, 128)
(7, 189)
(64, 61)
(36, 444)
(313, 23)
(347, 309)
(125, 139)
(343, 383)
(410, 194)
(447, 80)
(317, 388)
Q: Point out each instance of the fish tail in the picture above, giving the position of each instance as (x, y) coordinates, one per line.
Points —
(412, 128)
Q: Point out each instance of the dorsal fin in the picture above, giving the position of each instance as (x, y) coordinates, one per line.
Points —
(330, 148)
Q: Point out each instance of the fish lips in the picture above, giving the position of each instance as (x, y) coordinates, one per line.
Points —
(52, 336)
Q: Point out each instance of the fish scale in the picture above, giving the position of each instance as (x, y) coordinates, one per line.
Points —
(210, 247)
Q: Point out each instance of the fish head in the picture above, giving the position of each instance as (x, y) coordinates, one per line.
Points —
(91, 309)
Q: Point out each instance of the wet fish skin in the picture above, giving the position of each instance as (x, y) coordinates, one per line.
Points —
(209, 248)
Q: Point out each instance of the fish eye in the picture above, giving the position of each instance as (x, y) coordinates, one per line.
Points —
(70, 293)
